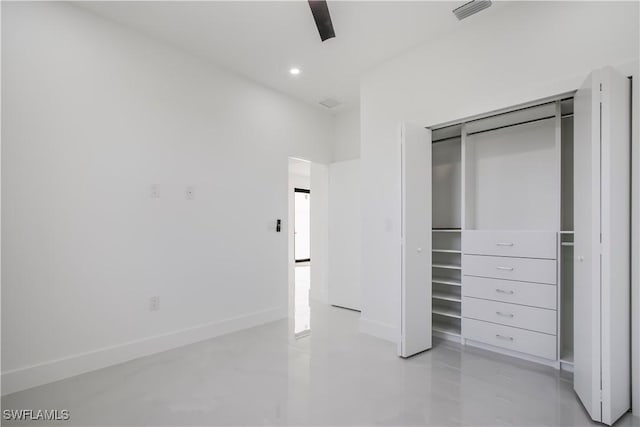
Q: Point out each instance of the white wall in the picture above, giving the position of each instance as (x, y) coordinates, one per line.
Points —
(345, 234)
(93, 115)
(501, 57)
(345, 226)
(346, 142)
(319, 231)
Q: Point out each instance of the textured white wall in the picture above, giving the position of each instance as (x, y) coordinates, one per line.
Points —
(94, 114)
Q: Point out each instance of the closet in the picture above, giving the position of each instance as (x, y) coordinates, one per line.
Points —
(515, 236)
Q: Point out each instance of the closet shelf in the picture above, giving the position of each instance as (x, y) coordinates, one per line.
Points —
(447, 312)
(446, 297)
(447, 266)
(567, 243)
(446, 230)
(446, 281)
(446, 329)
(447, 251)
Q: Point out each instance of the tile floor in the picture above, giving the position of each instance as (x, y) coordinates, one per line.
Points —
(335, 376)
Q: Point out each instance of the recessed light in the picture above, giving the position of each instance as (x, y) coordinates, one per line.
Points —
(294, 71)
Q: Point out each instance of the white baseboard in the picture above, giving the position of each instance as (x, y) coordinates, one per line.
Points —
(378, 329)
(511, 353)
(32, 376)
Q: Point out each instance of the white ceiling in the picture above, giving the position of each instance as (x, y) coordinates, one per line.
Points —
(262, 40)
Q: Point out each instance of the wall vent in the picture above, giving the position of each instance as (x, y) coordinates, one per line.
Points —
(330, 103)
(468, 9)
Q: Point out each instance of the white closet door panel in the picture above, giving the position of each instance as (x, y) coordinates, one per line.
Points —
(531, 294)
(519, 316)
(615, 288)
(415, 319)
(521, 269)
(586, 205)
(534, 343)
(529, 244)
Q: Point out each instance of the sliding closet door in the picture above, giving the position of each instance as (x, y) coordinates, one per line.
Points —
(601, 264)
(415, 323)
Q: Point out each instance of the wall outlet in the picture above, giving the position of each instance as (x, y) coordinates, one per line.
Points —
(155, 191)
(190, 193)
(154, 303)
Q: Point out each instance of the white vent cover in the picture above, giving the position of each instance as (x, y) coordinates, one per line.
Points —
(330, 103)
(468, 9)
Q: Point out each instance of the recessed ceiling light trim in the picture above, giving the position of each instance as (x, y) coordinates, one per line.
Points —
(471, 8)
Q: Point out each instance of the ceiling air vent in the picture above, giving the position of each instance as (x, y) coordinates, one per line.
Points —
(330, 103)
(468, 9)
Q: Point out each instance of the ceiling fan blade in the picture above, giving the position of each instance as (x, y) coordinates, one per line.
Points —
(321, 15)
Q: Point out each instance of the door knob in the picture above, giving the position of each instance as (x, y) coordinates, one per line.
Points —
(419, 250)
(580, 258)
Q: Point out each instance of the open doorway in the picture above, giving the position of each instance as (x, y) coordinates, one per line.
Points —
(300, 244)
(308, 242)
(302, 251)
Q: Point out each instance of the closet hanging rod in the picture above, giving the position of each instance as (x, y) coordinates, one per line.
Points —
(446, 139)
(564, 116)
(568, 97)
(512, 125)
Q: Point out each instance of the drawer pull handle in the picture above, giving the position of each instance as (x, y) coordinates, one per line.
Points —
(504, 244)
(502, 291)
(502, 337)
(505, 268)
(500, 313)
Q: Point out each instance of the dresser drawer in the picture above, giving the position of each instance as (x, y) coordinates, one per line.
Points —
(519, 316)
(522, 269)
(526, 244)
(533, 294)
(523, 341)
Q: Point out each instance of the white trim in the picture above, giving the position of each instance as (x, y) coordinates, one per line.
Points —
(566, 366)
(516, 354)
(54, 370)
(448, 337)
(377, 329)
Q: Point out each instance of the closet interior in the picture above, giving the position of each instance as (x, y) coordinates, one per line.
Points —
(447, 231)
(515, 206)
(502, 232)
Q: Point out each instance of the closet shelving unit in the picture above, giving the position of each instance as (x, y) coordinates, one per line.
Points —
(513, 212)
(466, 196)
(446, 233)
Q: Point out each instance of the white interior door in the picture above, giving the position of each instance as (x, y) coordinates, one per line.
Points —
(601, 264)
(415, 324)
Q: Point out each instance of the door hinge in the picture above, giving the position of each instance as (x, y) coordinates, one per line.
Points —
(600, 395)
(600, 94)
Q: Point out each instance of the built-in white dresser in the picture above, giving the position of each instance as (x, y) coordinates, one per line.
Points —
(509, 294)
